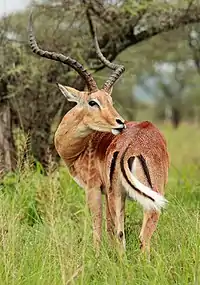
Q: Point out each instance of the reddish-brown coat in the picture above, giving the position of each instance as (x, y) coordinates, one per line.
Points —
(94, 159)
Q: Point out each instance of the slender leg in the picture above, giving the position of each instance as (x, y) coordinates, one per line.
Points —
(117, 208)
(109, 221)
(94, 201)
(149, 225)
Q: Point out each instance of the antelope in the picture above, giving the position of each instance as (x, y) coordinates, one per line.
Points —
(106, 154)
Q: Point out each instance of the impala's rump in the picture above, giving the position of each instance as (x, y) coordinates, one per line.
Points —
(146, 196)
(139, 164)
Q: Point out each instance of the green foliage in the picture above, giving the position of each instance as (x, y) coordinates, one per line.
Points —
(28, 82)
(46, 235)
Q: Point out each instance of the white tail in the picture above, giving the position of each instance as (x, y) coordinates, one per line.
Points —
(148, 198)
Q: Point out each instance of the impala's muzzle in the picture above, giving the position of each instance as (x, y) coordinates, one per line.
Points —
(119, 129)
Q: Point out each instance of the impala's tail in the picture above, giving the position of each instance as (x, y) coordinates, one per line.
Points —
(148, 198)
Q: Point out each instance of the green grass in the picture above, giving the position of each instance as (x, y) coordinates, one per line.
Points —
(46, 238)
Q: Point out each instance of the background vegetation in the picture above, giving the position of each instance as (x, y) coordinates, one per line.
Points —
(158, 42)
(45, 234)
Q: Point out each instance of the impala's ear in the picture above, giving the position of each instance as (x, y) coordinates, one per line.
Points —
(70, 93)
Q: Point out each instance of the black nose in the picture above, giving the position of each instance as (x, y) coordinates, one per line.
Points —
(119, 121)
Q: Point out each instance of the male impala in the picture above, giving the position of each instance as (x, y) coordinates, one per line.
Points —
(106, 154)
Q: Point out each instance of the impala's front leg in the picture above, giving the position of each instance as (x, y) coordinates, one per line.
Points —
(94, 201)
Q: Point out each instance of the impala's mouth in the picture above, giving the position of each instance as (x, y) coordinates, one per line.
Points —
(116, 131)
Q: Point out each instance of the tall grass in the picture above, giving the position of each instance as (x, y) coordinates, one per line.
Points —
(46, 237)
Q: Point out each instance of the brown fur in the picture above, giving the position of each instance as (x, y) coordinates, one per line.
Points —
(91, 158)
(100, 161)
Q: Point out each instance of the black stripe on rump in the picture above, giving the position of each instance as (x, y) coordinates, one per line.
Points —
(130, 162)
(113, 164)
(126, 177)
(145, 168)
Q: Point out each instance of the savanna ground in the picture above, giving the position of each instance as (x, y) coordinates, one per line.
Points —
(45, 228)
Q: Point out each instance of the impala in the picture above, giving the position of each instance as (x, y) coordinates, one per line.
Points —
(107, 155)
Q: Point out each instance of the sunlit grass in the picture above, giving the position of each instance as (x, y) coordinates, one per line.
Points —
(46, 238)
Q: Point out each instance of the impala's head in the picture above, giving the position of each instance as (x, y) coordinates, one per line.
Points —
(96, 104)
(97, 109)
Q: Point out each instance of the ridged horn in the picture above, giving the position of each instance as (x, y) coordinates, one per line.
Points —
(92, 86)
(118, 69)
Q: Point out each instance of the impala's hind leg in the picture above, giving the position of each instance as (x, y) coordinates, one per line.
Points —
(109, 221)
(94, 201)
(149, 225)
(116, 201)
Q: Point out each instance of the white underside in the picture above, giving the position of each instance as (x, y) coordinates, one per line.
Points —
(159, 200)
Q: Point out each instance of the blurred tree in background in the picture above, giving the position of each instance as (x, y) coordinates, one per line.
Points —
(151, 38)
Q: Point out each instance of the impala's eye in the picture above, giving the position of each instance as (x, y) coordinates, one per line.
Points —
(93, 103)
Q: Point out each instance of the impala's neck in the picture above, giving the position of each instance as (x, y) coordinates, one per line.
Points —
(72, 136)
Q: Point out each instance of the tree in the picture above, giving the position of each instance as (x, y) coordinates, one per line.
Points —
(173, 92)
(194, 44)
(36, 104)
(7, 147)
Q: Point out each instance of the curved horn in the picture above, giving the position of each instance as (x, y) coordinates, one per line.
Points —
(118, 69)
(92, 86)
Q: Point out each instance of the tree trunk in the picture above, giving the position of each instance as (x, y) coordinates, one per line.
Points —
(7, 147)
(176, 118)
